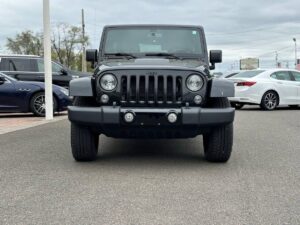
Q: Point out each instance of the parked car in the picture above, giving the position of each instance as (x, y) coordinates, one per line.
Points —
(31, 68)
(25, 96)
(229, 74)
(267, 88)
(152, 81)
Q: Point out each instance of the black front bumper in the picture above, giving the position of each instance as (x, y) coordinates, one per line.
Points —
(109, 120)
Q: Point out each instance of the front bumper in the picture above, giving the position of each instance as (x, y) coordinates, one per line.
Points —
(150, 117)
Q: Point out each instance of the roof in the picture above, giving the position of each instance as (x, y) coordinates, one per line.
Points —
(153, 25)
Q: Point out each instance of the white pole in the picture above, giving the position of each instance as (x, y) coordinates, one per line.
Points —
(47, 61)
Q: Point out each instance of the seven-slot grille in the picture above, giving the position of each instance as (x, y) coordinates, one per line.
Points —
(151, 89)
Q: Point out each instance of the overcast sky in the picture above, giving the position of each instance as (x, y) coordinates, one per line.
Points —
(255, 28)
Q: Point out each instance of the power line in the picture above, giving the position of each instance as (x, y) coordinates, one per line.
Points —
(272, 52)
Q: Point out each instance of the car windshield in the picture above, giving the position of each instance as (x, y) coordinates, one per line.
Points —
(248, 74)
(147, 41)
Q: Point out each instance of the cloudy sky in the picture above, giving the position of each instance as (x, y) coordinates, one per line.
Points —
(255, 28)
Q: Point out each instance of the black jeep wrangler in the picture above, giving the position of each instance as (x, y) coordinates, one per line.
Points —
(152, 81)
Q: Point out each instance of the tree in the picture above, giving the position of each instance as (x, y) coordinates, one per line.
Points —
(26, 43)
(67, 44)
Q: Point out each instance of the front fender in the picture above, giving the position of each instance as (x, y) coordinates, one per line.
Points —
(221, 88)
(81, 87)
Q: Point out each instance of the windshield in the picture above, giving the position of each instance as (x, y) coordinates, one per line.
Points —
(248, 74)
(142, 41)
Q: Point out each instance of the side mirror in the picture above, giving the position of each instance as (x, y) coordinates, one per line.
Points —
(92, 56)
(215, 56)
(63, 71)
(2, 80)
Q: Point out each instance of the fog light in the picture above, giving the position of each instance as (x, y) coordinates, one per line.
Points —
(104, 98)
(129, 117)
(197, 99)
(172, 117)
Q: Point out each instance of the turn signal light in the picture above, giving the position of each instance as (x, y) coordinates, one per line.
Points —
(246, 83)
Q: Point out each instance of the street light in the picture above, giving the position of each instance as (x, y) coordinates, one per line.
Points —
(295, 40)
(47, 61)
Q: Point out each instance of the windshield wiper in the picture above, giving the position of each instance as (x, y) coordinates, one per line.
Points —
(121, 54)
(168, 55)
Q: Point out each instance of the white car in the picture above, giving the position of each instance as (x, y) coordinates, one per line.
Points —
(267, 88)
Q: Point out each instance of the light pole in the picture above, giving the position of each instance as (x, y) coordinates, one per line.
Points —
(295, 40)
(47, 61)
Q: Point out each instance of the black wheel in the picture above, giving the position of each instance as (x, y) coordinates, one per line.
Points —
(269, 101)
(218, 143)
(237, 105)
(84, 142)
(294, 106)
(37, 104)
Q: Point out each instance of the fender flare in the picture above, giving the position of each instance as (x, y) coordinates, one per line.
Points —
(81, 87)
(221, 88)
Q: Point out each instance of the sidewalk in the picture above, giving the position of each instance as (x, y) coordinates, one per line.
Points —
(10, 122)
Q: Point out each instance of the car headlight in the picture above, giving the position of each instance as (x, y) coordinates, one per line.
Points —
(194, 82)
(64, 91)
(108, 82)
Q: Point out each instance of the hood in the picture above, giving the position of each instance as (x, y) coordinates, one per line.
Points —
(153, 63)
(41, 85)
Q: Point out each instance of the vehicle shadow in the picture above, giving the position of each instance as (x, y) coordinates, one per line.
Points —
(154, 151)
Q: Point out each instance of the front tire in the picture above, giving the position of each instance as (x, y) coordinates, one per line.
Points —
(218, 143)
(37, 104)
(84, 142)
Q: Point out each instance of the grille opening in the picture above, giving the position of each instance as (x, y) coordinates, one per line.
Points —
(151, 89)
(142, 87)
(124, 88)
(160, 89)
(133, 88)
(169, 88)
(178, 88)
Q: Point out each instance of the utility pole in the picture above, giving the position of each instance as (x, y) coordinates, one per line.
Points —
(83, 42)
(47, 61)
(295, 40)
(276, 59)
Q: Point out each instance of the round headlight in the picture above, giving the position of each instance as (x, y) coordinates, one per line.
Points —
(108, 82)
(194, 82)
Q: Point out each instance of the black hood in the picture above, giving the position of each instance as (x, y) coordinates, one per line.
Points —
(152, 63)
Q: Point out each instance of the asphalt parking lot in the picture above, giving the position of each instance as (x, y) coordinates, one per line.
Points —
(154, 182)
